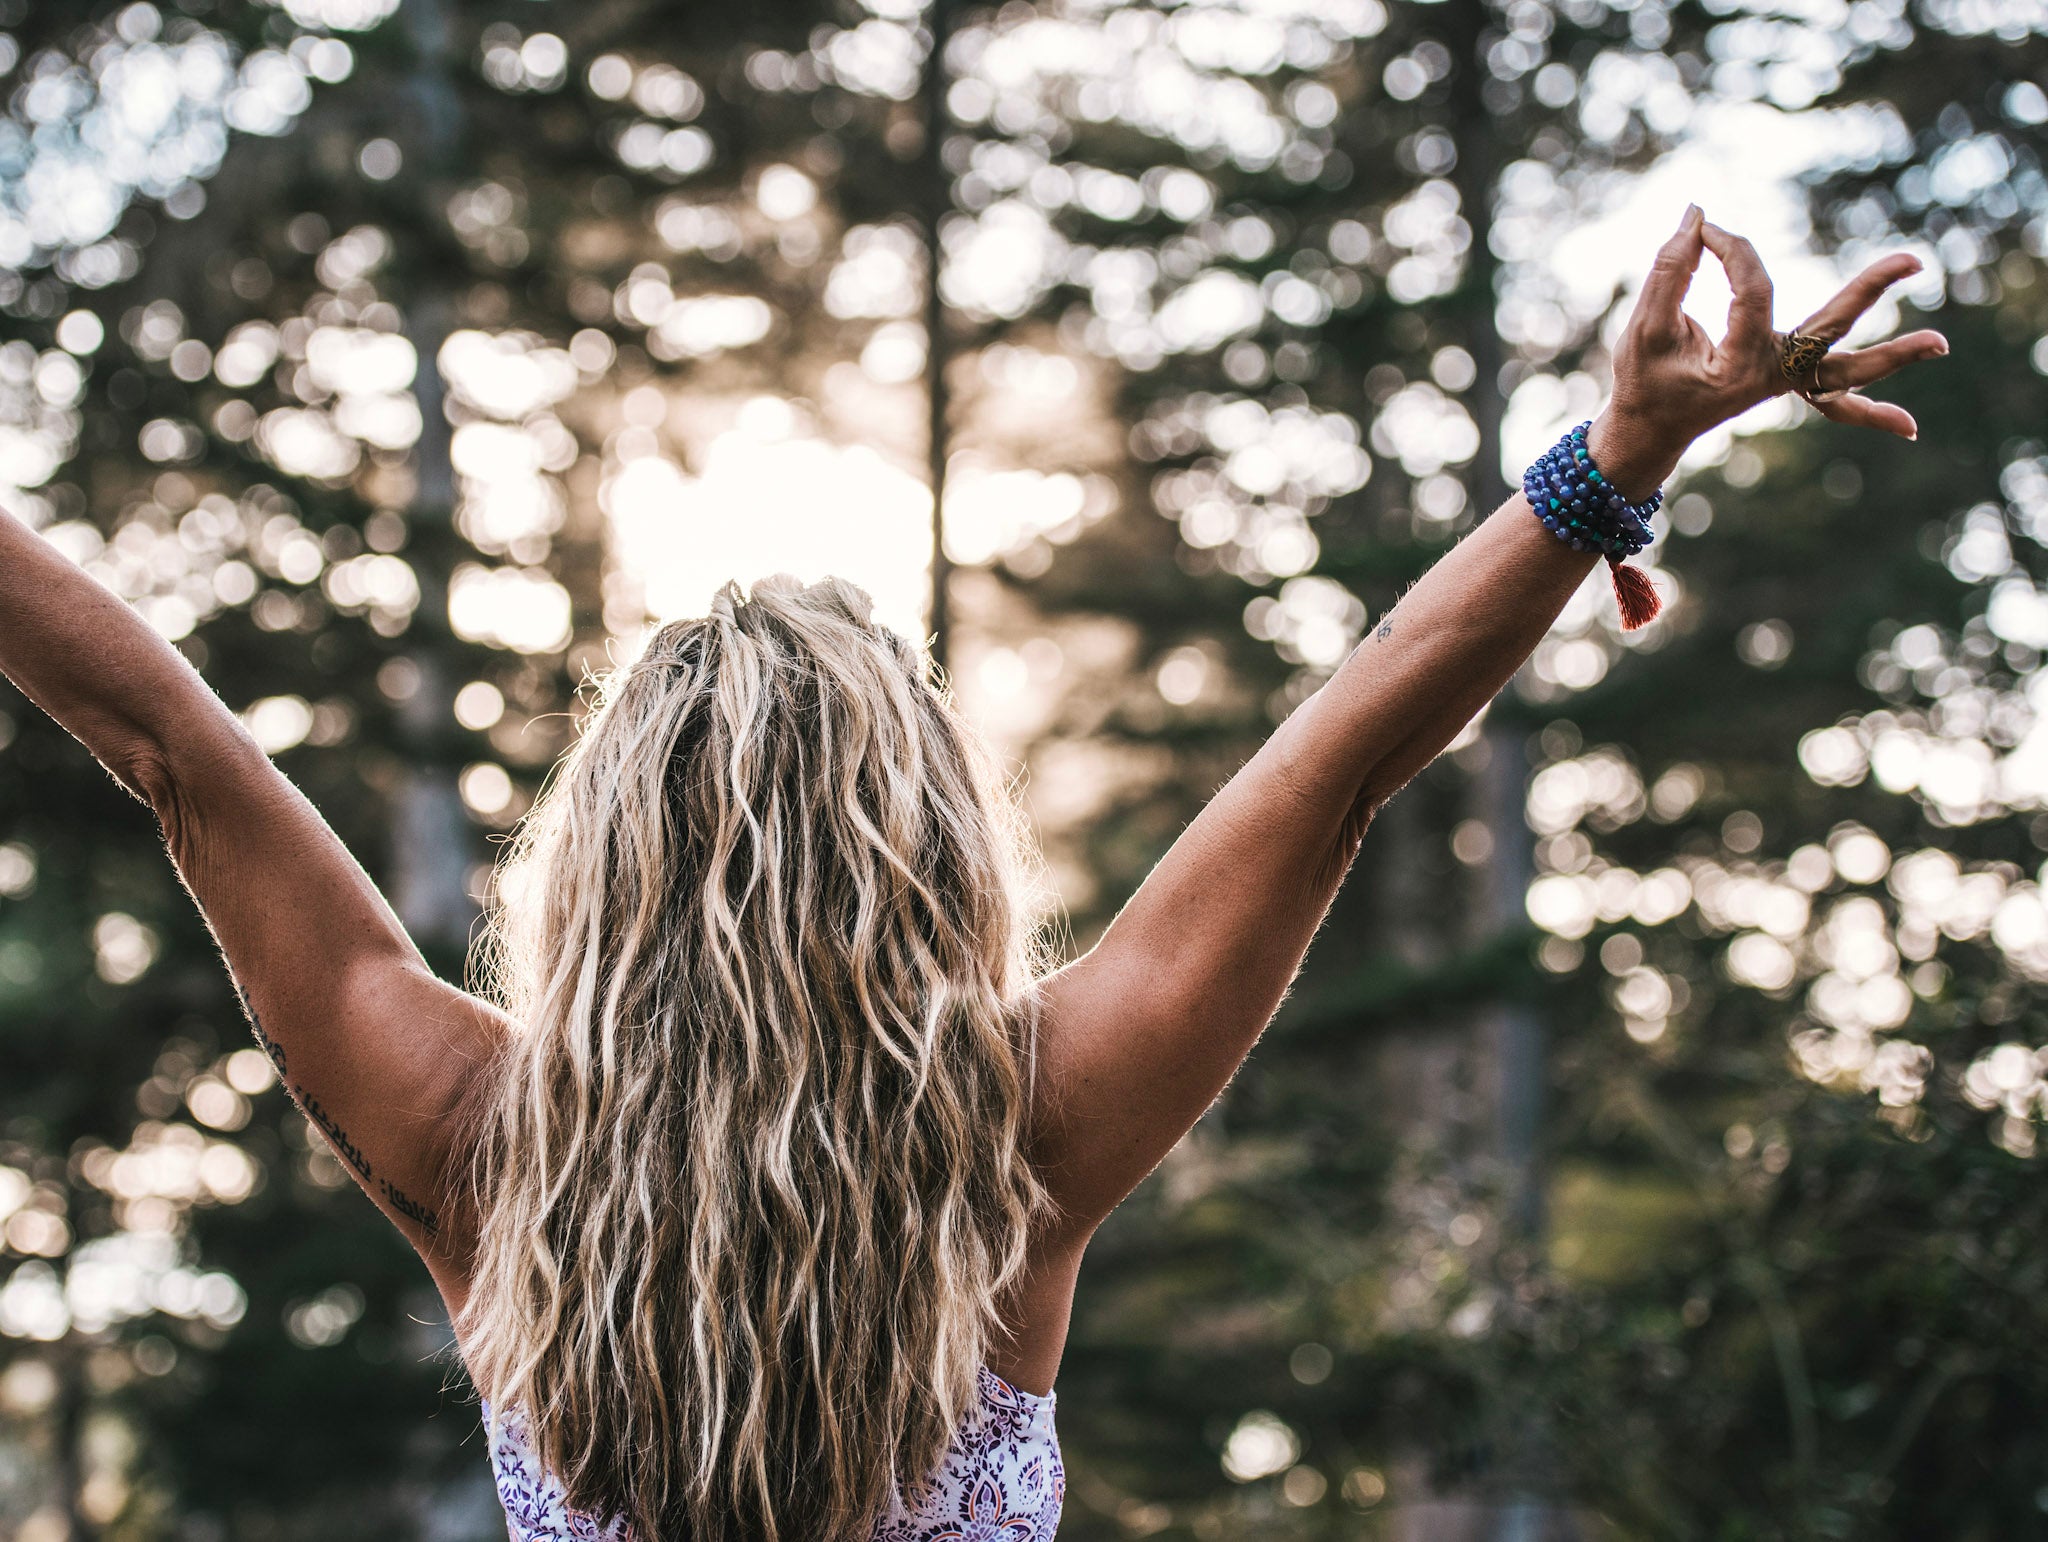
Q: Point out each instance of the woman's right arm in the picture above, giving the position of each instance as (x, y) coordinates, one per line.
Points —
(375, 1049)
(1145, 1030)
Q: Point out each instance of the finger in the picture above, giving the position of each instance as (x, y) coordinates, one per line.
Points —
(1833, 320)
(1855, 367)
(1862, 412)
(1671, 273)
(1749, 313)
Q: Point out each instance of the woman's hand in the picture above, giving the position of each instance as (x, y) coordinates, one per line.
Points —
(1672, 382)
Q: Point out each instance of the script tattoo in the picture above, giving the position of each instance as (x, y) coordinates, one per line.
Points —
(264, 1041)
(337, 1137)
(1386, 628)
(411, 1208)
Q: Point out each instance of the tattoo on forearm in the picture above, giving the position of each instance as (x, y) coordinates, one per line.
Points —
(264, 1041)
(411, 1208)
(337, 1137)
(1386, 629)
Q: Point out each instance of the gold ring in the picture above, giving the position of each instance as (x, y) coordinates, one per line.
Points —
(1801, 356)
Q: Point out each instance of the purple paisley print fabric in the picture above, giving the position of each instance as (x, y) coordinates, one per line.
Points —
(1001, 1481)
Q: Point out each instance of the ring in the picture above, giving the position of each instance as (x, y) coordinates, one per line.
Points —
(1800, 357)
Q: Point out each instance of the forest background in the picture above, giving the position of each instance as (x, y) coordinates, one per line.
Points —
(1650, 1148)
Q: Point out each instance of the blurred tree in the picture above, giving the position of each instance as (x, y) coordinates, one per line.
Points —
(1201, 1273)
(1281, 229)
(1800, 848)
(238, 385)
(314, 425)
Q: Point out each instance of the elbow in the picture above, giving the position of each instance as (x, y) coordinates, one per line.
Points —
(173, 774)
(141, 766)
(1356, 822)
(1373, 794)
(147, 772)
(1344, 847)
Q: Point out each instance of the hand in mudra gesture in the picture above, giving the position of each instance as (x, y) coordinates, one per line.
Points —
(1672, 382)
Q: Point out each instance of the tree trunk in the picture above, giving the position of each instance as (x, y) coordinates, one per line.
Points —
(936, 201)
(431, 834)
(1510, 1038)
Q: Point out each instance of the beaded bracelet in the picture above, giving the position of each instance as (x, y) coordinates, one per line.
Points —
(1588, 513)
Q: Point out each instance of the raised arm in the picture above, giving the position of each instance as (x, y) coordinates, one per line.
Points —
(1146, 1029)
(373, 1047)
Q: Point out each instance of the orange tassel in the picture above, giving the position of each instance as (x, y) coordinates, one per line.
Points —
(1635, 594)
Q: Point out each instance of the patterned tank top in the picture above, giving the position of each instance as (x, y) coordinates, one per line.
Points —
(1000, 1481)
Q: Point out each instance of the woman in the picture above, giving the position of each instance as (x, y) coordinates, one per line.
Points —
(757, 1198)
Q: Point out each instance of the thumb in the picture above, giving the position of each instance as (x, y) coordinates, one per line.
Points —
(1671, 273)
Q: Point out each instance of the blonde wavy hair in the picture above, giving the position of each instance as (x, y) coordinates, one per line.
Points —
(752, 1172)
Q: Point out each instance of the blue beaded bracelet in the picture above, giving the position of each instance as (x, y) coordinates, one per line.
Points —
(1588, 513)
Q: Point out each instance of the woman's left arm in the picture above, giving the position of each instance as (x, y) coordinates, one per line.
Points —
(372, 1045)
(1148, 1027)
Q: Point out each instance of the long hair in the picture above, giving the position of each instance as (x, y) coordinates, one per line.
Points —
(752, 1170)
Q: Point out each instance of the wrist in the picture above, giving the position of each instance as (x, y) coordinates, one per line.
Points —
(1635, 457)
